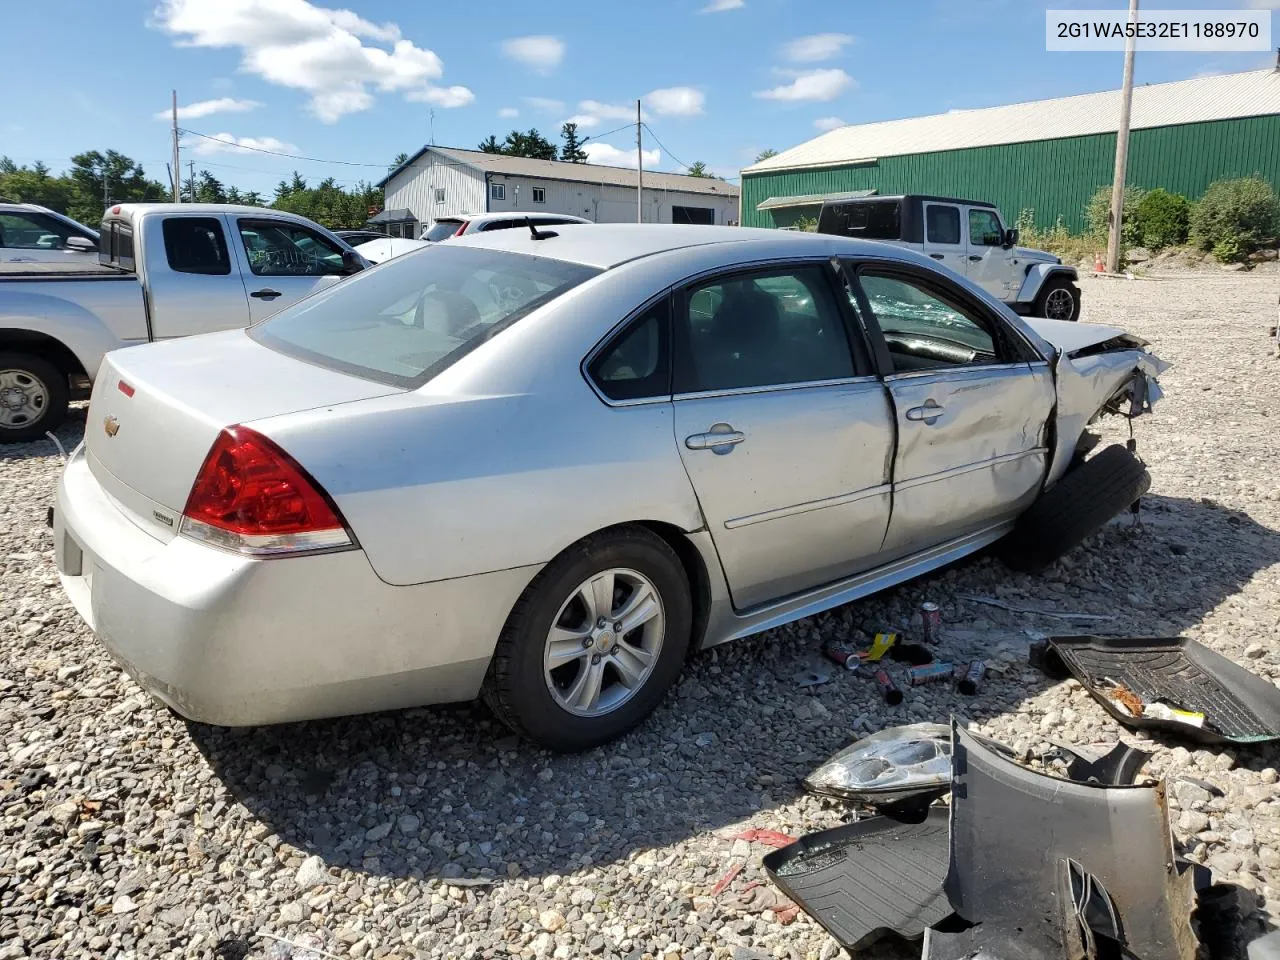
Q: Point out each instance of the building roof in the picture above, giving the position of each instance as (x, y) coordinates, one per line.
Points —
(504, 165)
(812, 199)
(1223, 97)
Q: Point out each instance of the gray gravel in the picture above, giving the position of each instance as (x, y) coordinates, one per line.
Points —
(125, 832)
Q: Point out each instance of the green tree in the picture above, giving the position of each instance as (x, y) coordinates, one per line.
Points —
(490, 145)
(531, 144)
(572, 149)
(34, 185)
(697, 169)
(1163, 218)
(1234, 217)
(766, 154)
(400, 160)
(1097, 214)
(101, 179)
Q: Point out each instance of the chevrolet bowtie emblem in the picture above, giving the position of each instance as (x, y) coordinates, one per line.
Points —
(111, 425)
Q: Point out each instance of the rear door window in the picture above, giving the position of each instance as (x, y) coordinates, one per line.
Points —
(441, 230)
(941, 223)
(874, 220)
(196, 245)
(636, 363)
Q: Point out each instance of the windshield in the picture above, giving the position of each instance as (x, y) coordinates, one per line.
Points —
(441, 230)
(411, 318)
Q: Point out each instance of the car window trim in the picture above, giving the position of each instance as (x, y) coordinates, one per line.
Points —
(615, 332)
(240, 221)
(681, 303)
(1014, 347)
(968, 223)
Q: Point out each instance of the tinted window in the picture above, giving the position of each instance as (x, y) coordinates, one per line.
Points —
(941, 224)
(196, 245)
(415, 315)
(276, 248)
(761, 330)
(441, 230)
(984, 229)
(874, 220)
(34, 231)
(923, 327)
(636, 363)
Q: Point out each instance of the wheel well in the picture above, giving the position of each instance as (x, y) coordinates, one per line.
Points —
(695, 570)
(44, 346)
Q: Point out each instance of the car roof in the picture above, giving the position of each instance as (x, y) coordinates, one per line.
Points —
(512, 215)
(605, 245)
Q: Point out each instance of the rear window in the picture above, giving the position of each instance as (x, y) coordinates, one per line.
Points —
(413, 317)
(441, 230)
(876, 220)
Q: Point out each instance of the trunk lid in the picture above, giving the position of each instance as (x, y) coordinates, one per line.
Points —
(156, 410)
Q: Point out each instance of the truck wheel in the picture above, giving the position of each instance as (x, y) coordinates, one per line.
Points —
(1082, 501)
(33, 397)
(1059, 299)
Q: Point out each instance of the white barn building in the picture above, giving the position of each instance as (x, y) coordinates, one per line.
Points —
(446, 182)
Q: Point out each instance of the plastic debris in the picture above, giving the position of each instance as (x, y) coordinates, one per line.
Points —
(880, 645)
(723, 883)
(771, 838)
(888, 766)
(813, 676)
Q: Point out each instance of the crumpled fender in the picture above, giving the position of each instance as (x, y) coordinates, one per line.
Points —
(1036, 276)
(1087, 383)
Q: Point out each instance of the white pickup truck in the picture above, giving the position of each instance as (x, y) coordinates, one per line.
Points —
(164, 270)
(968, 236)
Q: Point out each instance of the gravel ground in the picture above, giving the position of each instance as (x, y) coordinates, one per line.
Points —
(126, 833)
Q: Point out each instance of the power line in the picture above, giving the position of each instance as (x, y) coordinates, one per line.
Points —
(681, 163)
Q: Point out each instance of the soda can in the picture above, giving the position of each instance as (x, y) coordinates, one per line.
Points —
(930, 673)
(843, 654)
(931, 622)
(971, 682)
(888, 689)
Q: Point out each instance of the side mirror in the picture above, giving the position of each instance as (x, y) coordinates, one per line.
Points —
(81, 244)
(1011, 237)
(351, 262)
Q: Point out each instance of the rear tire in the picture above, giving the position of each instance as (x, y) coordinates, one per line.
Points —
(559, 644)
(33, 397)
(1081, 503)
(1059, 299)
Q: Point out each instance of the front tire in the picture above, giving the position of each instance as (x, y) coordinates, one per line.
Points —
(33, 397)
(594, 643)
(1059, 299)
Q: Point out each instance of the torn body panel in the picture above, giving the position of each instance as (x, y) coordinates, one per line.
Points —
(1118, 836)
(1096, 368)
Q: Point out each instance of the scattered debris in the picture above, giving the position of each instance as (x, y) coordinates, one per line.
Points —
(1173, 684)
(813, 676)
(930, 622)
(969, 678)
(936, 672)
(722, 884)
(309, 946)
(865, 879)
(1056, 614)
(771, 838)
(901, 763)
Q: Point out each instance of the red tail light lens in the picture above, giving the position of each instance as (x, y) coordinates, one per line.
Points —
(253, 498)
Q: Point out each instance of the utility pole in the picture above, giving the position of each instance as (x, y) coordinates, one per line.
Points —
(1122, 150)
(177, 194)
(192, 165)
(640, 169)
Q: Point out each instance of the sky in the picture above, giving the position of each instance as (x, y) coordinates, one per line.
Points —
(719, 80)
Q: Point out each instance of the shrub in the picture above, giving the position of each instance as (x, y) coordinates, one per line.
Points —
(1162, 219)
(1056, 240)
(1097, 214)
(1234, 217)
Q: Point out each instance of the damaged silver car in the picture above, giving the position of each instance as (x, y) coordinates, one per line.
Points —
(542, 466)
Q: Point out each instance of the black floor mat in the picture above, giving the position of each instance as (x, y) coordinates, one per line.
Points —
(1238, 707)
(867, 878)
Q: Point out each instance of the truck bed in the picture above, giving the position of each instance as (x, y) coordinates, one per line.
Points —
(90, 270)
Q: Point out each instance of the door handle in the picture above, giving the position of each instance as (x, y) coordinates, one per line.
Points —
(927, 413)
(937, 256)
(265, 294)
(715, 441)
(974, 257)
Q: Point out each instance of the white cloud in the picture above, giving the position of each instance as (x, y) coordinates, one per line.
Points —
(608, 111)
(508, 113)
(447, 97)
(613, 157)
(296, 44)
(230, 143)
(542, 53)
(829, 123)
(584, 120)
(819, 46)
(545, 103)
(810, 85)
(720, 6)
(205, 108)
(676, 101)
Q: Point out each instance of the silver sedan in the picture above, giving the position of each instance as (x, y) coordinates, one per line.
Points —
(545, 467)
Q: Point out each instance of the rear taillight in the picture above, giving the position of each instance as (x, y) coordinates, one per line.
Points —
(253, 498)
(462, 228)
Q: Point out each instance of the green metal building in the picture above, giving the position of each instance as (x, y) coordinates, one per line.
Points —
(1048, 156)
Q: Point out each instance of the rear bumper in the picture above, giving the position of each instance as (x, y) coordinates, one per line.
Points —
(238, 642)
